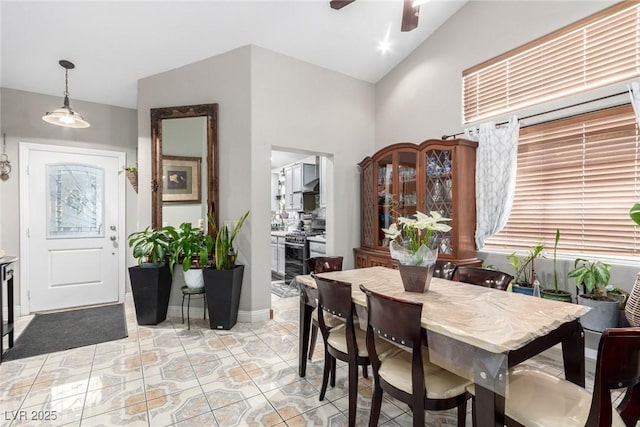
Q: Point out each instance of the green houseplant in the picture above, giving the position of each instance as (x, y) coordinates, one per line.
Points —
(151, 279)
(223, 281)
(190, 247)
(524, 269)
(595, 276)
(555, 293)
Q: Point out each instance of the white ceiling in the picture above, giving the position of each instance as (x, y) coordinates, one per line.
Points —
(115, 43)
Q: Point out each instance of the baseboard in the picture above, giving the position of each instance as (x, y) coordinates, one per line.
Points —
(253, 316)
(17, 312)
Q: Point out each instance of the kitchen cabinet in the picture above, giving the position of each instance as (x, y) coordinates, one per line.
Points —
(277, 254)
(404, 178)
(297, 179)
(322, 171)
(317, 247)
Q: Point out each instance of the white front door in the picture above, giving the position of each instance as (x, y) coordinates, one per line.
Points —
(72, 226)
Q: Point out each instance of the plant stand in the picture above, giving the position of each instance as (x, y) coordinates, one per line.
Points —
(223, 288)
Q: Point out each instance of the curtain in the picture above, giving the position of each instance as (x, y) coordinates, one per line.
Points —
(634, 93)
(496, 166)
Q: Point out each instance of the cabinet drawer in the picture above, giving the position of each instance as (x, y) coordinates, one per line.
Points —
(274, 239)
(317, 247)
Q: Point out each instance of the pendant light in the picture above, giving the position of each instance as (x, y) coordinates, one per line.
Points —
(65, 116)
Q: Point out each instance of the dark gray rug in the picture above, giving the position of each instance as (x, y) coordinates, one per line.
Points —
(283, 290)
(51, 332)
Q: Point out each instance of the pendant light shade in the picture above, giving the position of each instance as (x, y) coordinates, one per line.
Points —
(65, 116)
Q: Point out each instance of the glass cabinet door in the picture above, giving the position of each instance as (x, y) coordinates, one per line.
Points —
(407, 191)
(438, 191)
(384, 186)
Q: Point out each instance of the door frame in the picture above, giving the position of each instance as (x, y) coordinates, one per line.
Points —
(24, 150)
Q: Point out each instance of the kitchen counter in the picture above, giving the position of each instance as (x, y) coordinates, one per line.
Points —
(278, 233)
(318, 239)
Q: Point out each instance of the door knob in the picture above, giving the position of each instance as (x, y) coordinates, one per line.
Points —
(113, 238)
(112, 228)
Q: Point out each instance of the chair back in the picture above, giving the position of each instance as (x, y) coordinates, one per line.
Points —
(334, 297)
(444, 269)
(618, 366)
(324, 264)
(483, 277)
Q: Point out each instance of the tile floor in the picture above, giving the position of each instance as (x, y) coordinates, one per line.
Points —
(168, 375)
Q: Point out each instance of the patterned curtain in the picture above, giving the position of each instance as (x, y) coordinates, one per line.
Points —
(496, 165)
(634, 93)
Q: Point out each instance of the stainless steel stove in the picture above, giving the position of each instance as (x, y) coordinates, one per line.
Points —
(296, 251)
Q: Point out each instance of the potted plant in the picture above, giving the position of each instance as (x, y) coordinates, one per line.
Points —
(190, 247)
(524, 269)
(151, 278)
(555, 293)
(132, 175)
(594, 276)
(411, 243)
(223, 281)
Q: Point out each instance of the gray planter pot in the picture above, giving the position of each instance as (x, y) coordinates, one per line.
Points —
(603, 314)
(223, 288)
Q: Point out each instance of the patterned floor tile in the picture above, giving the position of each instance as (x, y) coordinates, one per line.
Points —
(227, 390)
(58, 412)
(294, 399)
(159, 385)
(204, 420)
(131, 416)
(108, 377)
(180, 406)
(216, 368)
(114, 397)
(272, 377)
(256, 411)
(325, 415)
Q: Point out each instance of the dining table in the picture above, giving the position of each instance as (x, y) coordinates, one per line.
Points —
(476, 332)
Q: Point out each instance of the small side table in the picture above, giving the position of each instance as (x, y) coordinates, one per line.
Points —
(6, 276)
(189, 292)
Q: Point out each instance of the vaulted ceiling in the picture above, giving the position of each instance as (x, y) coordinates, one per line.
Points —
(115, 43)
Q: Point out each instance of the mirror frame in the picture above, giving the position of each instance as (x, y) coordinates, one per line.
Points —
(210, 111)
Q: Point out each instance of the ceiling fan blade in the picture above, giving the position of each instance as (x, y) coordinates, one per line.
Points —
(339, 4)
(409, 16)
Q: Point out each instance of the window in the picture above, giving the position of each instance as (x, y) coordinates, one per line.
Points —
(594, 52)
(581, 175)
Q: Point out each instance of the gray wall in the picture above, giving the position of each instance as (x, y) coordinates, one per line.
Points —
(112, 128)
(266, 100)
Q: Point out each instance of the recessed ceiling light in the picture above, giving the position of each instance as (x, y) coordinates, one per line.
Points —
(384, 45)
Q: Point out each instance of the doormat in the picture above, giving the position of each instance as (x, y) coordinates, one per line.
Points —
(51, 332)
(285, 290)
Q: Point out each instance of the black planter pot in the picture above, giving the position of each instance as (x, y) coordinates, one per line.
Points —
(151, 287)
(223, 288)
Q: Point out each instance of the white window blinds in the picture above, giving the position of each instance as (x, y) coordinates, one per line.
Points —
(580, 175)
(594, 52)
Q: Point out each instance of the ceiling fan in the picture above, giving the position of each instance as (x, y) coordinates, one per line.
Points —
(410, 11)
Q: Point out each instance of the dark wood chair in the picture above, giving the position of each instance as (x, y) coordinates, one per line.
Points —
(345, 342)
(483, 277)
(444, 269)
(408, 376)
(539, 398)
(321, 264)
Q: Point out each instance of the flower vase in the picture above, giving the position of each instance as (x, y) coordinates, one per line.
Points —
(416, 268)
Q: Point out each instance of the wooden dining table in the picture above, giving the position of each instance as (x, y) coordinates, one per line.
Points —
(475, 332)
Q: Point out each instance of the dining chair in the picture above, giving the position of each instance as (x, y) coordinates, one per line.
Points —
(483, 277)
(323, 264)
(537, 398)
(345, 342)
(406, 372)
(444, 269)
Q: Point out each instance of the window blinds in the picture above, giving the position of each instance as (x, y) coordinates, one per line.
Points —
(594, 52)
(580, 175)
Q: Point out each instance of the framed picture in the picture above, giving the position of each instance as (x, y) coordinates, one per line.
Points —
(181, 179)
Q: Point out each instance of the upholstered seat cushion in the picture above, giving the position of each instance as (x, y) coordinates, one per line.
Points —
(329, 319)
(338, 340)
(395, 368)
(536, 398)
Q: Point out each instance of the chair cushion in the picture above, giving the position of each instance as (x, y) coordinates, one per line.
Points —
(395, 368)
(338, 340)
(536, 398)
(329, 319)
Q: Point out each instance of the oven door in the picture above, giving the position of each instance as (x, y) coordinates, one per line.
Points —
(294, 255)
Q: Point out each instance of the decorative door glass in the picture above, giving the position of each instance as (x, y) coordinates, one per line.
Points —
(75, 201)
(385, 196)
(438, 188)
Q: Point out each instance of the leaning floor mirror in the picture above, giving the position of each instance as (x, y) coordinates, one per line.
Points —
(184, 151)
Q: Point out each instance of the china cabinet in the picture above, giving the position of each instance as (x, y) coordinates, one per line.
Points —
(403, 178)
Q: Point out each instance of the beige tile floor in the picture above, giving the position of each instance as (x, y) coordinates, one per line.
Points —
(168, 375)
